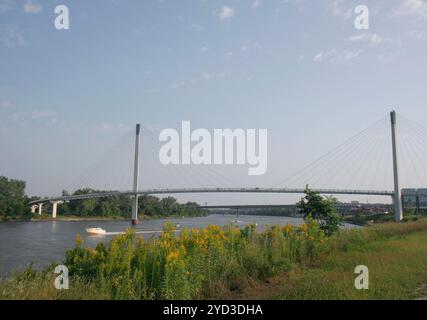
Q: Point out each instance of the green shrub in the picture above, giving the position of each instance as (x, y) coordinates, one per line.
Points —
(196, 262)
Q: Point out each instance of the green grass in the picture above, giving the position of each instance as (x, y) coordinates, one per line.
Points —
(396, 255)
(239, 267)
(397, 268)
(41, 287)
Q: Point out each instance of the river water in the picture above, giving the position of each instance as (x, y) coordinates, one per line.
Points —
(44, 242)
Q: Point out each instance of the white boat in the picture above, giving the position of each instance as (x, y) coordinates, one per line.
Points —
(95, 231)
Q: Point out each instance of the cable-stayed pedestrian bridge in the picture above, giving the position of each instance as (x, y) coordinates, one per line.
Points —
(358, 161)
(210, 190)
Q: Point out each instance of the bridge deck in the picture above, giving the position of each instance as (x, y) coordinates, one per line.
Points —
(212, 190)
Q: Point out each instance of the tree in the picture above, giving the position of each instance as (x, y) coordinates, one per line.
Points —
(168, 206)
(13, 201)
(410, 208)
(321, 209)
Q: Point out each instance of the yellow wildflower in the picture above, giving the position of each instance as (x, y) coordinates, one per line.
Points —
(304, 228)
(288, 229)
(174, 255)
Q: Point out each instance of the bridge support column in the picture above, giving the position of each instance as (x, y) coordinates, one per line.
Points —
(55, 208)
(40, 205)
(135, 211)
(33, 208)
(397, 198)
(135, 178)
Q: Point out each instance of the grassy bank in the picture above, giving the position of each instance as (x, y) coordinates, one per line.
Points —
(370, 219)
(396, 255)
(279, 263)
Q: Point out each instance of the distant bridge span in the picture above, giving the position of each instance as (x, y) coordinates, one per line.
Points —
(209, 190)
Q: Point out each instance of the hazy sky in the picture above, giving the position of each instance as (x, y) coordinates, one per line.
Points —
(297, 68)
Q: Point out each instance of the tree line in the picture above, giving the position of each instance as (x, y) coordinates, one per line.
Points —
(121, 206)
(14, 204)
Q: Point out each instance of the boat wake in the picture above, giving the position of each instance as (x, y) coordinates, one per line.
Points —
(138, 232)
(116, 233)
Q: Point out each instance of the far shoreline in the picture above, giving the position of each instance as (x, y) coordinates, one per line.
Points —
(94, 218)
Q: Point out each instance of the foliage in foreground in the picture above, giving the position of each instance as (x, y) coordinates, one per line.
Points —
(197, 263)
(395, 254)
(241, 263)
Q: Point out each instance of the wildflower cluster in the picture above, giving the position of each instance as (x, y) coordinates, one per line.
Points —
(195, 262)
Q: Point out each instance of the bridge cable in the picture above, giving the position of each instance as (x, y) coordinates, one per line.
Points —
(334, 151)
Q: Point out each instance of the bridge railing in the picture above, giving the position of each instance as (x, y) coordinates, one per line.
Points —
(211, 190)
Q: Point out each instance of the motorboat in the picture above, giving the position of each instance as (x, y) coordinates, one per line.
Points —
(96, 231)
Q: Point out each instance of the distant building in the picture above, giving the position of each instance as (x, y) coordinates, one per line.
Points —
(414, 199)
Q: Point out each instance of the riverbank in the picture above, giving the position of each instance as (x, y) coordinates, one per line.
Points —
(371, 219)
(280, 263)
(89, 218)
(63, 218)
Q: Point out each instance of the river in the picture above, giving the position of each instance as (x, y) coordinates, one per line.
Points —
(44, 242)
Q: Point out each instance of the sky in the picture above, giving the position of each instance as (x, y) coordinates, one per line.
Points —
(70, 99)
